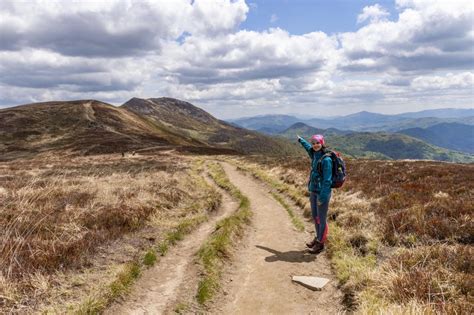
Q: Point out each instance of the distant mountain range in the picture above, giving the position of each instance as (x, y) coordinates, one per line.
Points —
(378, 145)
(453, 136)
(440, 113)
(454, 126)
(86, 127)
(362, 121)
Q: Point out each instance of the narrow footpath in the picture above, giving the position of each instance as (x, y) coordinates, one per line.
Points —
(159, 288)
(259, 279)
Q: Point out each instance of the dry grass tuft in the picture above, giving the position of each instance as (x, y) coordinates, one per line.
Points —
(56, 213)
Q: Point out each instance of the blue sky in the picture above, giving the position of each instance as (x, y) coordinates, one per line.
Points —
(305, 16)
(238, 58)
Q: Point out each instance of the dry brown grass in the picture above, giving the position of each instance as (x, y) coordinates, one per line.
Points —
(401, 235)
(57, 212)
(428, 201)
(439, 275)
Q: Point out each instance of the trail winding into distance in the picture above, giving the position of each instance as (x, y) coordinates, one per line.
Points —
(258, 278)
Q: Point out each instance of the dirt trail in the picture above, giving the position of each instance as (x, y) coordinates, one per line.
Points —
(157, 289)
(259, 280)
(90, 113)
(256, 281)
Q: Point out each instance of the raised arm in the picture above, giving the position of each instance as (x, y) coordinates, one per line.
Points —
(306, 145)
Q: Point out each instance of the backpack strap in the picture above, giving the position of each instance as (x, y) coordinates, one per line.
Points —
(319, 165)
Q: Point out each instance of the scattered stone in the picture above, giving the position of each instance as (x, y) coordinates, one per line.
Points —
(441, 195)
(313, 283)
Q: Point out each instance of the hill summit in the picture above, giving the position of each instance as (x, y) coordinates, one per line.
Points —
(86, 127)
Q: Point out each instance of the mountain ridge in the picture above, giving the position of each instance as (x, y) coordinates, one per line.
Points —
(361, 121)
(92, 127)
(454, 136)
(372, 122)
(378, 145)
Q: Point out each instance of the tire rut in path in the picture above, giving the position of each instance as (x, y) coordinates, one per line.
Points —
(259, 279)
(157, 289)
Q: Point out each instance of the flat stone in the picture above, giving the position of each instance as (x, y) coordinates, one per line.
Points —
(313, 283)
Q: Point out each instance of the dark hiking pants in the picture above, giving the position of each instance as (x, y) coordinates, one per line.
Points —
(319, 212)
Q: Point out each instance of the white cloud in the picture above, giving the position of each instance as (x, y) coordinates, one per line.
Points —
(112, 28)
(216, 16)
(373, 13)
(248, 55)
(193, 50)
(45, 69)
(464, 80)
(428, 35)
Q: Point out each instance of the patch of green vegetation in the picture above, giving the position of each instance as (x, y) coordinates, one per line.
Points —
(150, 258)
(216, 249)
(163, 248)
(294, 219)
(384, 146)
(173, 237)
(125, 278)
(206, 288)
(292, 192)
(92, 305)
(181, 308)
(349, 265)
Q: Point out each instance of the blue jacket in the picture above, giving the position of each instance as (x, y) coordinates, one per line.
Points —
(317, 183)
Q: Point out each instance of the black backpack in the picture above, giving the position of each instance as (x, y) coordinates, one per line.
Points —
(338, 168)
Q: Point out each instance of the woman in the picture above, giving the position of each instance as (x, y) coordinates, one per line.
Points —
(319, 187)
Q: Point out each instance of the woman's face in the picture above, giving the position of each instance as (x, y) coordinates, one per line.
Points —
(316, 145)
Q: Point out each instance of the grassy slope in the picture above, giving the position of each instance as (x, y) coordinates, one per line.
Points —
(57, 213)
(189, 121)
(400, 233)
(454, 136)
(382, 146)
(84, 127)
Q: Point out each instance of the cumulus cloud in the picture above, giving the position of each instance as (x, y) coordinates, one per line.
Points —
(91, 47)
(112, 28)
(464, 80)
(428, 35)
(194, 50)
(45, 69)
(373, 13)
(248, 55)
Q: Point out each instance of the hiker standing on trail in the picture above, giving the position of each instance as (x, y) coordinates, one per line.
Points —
(319, 186)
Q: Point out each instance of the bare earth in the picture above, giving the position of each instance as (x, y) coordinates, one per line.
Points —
(256, 281)
(259, 280)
